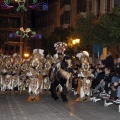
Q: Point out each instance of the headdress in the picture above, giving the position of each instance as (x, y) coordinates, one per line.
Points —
(60, 47)
(83, 56)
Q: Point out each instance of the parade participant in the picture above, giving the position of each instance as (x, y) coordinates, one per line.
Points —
(35, 76)
(85, 78)
(7, 64)
(17, 61)
(60, 72)
(24, 76)
(1, 63)
(46, 68)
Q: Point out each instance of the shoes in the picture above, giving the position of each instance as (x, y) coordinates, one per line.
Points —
(104, 95)
(117, 101)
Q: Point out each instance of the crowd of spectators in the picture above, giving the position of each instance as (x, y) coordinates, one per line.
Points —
(106, 79)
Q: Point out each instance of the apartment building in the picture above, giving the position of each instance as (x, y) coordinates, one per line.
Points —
(79, 8)
(46, 21)
(63, 13)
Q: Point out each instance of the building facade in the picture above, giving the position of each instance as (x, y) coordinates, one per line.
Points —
(60, 13)
(46, 21)
(10, 21)
(79, 8)
(63, 13)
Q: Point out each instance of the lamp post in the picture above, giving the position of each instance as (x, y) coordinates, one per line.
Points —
(75, 42)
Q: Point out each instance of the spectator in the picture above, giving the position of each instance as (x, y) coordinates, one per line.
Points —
(118, 94)
(114, 85)
(104, 83)
(98, 76)
(108, 62)
(117, 64)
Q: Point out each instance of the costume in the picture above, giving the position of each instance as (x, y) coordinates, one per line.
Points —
(85, 77)
(35, 75)
(59, 74)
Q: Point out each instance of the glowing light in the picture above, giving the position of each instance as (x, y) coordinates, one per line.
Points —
(73, 42)
(11, 35)
(40, 5)
(4, 6)
(33, 32)
(21, 4)
(34, 1)
(25, 33)
(14, 35)
(7, 1)
(18, 32)
(26, 55)
(76, 41)
(39, 36)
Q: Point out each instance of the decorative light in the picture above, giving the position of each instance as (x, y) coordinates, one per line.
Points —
(39, 36)
(4, 5)
(40, 5)
(14, 35)
(11, 35)
(21, 4)
(25, 33)
(34, 1)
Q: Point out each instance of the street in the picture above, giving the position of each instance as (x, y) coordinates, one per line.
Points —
(16, 107)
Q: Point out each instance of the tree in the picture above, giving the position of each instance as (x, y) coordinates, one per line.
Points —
(58, 35)
(111, 23)
(105, 29)
(85, 30)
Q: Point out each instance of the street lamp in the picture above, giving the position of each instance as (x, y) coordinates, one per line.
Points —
(26, 55)
(75, 41)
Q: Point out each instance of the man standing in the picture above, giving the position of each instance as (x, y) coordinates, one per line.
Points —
(108, 62)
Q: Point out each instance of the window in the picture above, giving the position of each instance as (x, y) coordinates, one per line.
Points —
(89, 5)
(67, 17)
(108, 6)
(98, 7)
(64, 2)
(61, 20)
(81, 6)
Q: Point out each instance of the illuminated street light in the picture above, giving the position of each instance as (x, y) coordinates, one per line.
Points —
(26, 55)
(75, 41)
